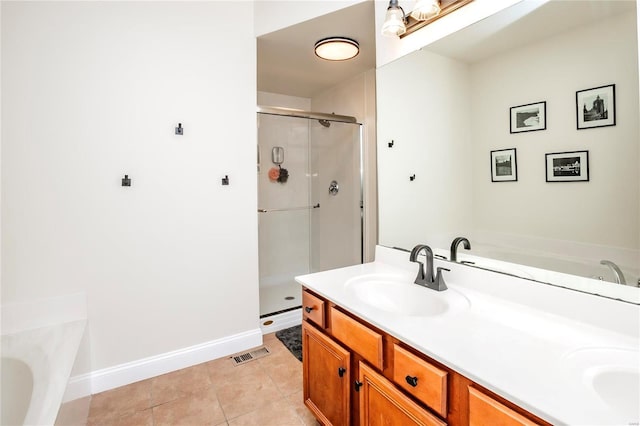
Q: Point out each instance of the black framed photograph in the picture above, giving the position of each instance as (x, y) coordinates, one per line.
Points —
(504, 166)
(567, 166)
(596, 107)
(529, 118)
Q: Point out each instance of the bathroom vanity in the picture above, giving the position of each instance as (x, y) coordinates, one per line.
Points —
(491, 349)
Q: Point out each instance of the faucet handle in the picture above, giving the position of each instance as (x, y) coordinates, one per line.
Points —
(440, 284)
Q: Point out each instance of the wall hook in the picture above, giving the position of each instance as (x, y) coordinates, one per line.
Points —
(126, 181)
(412, 177)
(391, 144)
(179, 129)
(225, 180)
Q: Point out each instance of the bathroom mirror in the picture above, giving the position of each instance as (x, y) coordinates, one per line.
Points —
(447, 106)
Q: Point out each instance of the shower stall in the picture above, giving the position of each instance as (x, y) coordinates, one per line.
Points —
(309, 204)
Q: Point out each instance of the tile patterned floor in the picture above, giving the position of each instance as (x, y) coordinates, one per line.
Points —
(266, 391)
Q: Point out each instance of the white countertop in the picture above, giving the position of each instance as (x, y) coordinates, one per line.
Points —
(536, 345)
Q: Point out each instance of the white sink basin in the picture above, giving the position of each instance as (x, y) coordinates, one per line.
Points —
(613, 374)
(398, 295)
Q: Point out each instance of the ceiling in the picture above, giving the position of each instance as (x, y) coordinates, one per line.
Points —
(288, 65)
(524, 23)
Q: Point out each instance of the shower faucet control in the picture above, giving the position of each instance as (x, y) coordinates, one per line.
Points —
(333, 188)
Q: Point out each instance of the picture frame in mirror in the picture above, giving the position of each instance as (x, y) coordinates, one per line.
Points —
(567, 166)
(504, 165)
(528, 118)
(596, 107)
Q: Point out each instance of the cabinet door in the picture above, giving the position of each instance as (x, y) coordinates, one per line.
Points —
(381, 403)
(326, 378)
(484, 410)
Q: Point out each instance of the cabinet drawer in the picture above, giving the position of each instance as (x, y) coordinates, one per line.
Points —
(421, 379)
(358, 337)
(484, 410)
(381, 403)
(313, 309)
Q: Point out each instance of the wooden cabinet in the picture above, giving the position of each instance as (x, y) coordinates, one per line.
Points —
(360, 338)
(381, 403)
(484, 410)
(326, 371)
(313, 309)
(356, 373)
(421, 379)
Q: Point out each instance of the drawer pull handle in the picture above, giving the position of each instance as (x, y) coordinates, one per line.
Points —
(308, 309)
(341, 371)
(413, 381)
(357, 385)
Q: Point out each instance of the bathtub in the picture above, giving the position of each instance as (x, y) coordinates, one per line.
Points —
(36, 365)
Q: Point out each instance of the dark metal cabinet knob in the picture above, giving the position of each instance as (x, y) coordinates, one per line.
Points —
(341, 371)
(308, 309)
(413, 381)
(357, 385)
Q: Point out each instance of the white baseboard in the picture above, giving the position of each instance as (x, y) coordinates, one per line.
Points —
(281, 321)
(124, 374)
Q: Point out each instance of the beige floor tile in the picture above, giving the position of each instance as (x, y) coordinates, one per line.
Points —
(285, 370)
(246, 394)
(200, 408)
(115, 403)
(275, 346)
(278, 413)
(223, 372)
(178, 384)
(141, 418)
(296, 401)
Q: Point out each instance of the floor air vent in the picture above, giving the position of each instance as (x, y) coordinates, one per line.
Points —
(245, 357)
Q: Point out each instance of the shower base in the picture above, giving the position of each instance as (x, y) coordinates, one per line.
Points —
(280, 298)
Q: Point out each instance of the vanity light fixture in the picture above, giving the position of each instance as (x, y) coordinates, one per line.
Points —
(425, 9)
(395, 22)
(399, 24)
(337, 48)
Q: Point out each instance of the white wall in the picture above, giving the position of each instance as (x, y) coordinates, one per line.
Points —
(92, 91)
(544, 71)
(423, 106)
(273, 15)
(356, 97)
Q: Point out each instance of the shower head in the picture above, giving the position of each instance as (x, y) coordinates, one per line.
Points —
(325, 123)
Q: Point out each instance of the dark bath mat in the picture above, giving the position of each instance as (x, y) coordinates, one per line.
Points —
(292, 338)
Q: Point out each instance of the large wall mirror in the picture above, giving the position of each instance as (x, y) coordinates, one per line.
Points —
(459, 155)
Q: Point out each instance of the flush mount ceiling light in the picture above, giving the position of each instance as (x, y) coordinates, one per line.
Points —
(337, 48)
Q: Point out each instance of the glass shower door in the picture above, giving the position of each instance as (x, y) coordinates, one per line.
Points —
(309, 203)
(284, 210)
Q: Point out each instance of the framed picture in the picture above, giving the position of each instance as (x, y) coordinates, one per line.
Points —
(528, 118)
(504, 165)
(567, 166)
(596, 107)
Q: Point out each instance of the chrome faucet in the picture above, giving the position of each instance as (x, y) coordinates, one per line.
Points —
(616, 271)
(454, 247)
(425, 275)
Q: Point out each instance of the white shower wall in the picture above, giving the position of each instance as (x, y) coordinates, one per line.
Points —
(336, 226)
